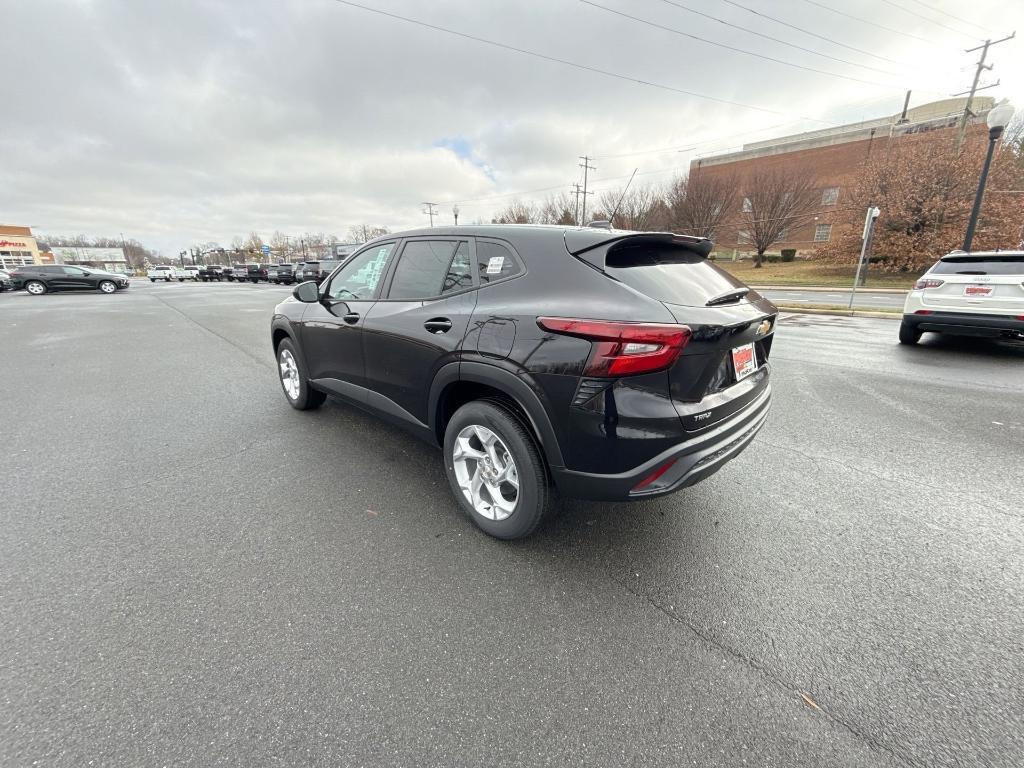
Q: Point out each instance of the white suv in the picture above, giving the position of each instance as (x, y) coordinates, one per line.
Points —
(969, 294)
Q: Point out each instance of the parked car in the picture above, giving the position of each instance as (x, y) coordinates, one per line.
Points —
(968, 294)
(613, 365)
(42, 278)
(281, 274)
(255, 273)
(190, 272)
(317, 270)
(238, 273)
(6, 281)
(211, 273)
(161, 272)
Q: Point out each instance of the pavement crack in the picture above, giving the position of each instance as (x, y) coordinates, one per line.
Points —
(261, 361)
(776, 680)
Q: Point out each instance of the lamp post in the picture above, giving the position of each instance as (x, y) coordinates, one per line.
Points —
(997, 119)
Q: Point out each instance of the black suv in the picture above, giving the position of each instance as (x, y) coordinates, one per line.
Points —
(211, 273)
(40, 279)
(316, 270)
(612, 365)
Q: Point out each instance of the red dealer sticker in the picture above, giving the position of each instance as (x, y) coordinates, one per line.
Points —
(743, 361)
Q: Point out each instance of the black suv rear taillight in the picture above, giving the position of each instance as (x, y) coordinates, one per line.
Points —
(623, 349)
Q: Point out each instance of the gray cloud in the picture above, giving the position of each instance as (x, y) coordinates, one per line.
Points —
(202, 119)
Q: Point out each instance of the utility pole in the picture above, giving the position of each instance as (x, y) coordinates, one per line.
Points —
(455, 213)
(576, 210)
(586, 166)
(961, 127)
(429, 210)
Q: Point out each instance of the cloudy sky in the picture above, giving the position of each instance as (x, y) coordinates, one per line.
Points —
(183, 121)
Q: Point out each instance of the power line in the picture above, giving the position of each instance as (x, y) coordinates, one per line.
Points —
(869, 22)
(694, 145)
(950, 15)
(732, 48)
(808, 32)
(774, 39)
(567, 63)
(922, 16)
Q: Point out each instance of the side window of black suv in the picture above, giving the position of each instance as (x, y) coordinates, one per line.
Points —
(361, 275)
(431, 268)
(495, 262)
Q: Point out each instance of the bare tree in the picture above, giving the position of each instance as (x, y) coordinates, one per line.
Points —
(254, 243)
(557, 209)
(637, 207)
(698, 204)
(363, 233)
(516, 212)
(774, 201)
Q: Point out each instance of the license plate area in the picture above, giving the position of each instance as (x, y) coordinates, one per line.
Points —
(977, 291)
(744, 361)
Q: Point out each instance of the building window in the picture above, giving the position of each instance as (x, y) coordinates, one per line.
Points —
(829, 195)
(822, 233)
(743, 237)
(783, 236)
(747, 207)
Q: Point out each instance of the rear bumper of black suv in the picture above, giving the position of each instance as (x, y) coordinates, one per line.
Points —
(688, 463)
(966, 324)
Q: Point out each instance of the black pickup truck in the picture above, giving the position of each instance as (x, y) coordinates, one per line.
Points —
(211, 272)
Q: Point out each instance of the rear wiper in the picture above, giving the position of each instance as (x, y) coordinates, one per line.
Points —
(729, 296)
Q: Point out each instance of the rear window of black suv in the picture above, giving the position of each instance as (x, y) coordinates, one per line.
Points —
(669, 273)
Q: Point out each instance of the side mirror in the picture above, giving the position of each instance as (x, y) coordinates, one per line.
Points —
(307, 292)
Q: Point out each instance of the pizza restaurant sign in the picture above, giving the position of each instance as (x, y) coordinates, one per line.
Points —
(13, 244)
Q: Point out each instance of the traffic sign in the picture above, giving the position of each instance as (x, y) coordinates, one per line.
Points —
(266, 250)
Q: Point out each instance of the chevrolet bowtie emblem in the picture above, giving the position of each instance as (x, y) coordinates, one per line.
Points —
(764, 327)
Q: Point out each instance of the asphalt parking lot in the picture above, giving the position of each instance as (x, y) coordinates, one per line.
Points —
(192, 573)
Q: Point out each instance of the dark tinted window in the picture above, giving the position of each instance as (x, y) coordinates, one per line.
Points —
(76, 271)
(495, 262)
(671, 274)
(460, 271)
(361, 275)
(422, 269)
(990, 265)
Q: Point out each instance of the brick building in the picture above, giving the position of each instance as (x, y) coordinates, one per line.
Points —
(836, 155)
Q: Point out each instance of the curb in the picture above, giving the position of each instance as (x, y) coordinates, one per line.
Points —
(827, 289)
(841, 312)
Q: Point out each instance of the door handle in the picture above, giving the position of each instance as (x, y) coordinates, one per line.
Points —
(351, 318)
(438, 325)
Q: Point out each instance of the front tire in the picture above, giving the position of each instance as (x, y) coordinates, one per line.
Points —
(35, 287)
(909, 334)
(294, 381)
(107, 286)
(495, 470)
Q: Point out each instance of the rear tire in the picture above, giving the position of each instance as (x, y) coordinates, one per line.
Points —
(513, 444)
(909, 334)
(294, 381)
(152, 279)
(35, 287)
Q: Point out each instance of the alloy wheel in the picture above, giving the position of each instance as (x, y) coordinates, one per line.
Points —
(289, 374)
(36, 289)
(486, 472)
(107, 287)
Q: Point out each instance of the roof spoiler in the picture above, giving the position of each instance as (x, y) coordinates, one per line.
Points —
(594, 252)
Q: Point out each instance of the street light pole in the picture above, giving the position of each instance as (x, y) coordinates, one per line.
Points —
(997, 119)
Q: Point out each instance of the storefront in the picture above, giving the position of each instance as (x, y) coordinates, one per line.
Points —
(109, 259)
(18, 248)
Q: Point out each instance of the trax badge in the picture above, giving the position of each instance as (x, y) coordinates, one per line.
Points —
(764, 327)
